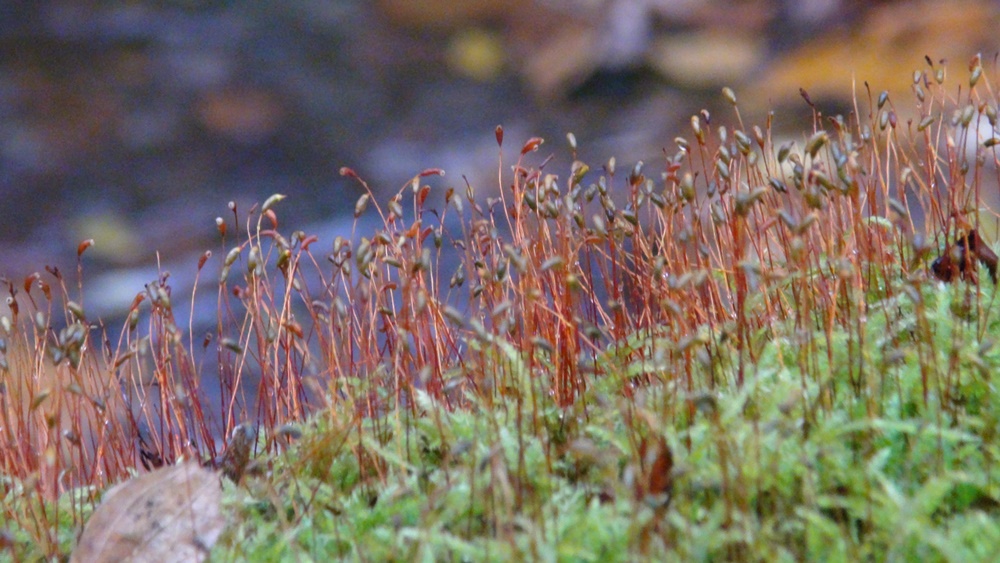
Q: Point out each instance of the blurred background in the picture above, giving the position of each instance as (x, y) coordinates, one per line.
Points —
(135, 122)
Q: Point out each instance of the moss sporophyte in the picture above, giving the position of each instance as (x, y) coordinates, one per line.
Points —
(756, 348)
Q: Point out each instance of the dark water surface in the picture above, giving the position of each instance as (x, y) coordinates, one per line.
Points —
(135, 123)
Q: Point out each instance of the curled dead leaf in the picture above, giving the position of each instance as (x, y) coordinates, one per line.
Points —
(958, 260)
(237, 455)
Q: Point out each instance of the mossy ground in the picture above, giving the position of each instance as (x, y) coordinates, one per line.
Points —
(751, 355)
(873, 460)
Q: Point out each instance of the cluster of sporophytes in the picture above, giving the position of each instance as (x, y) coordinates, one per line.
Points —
(766, 349)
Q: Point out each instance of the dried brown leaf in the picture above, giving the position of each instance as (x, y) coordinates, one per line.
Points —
(654, 481)
(237, 456)
(171, 514)
(959, 259)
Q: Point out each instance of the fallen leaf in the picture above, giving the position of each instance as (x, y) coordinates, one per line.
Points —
(171, 514)
(707, 58)
(884, 48)
(243, 115)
